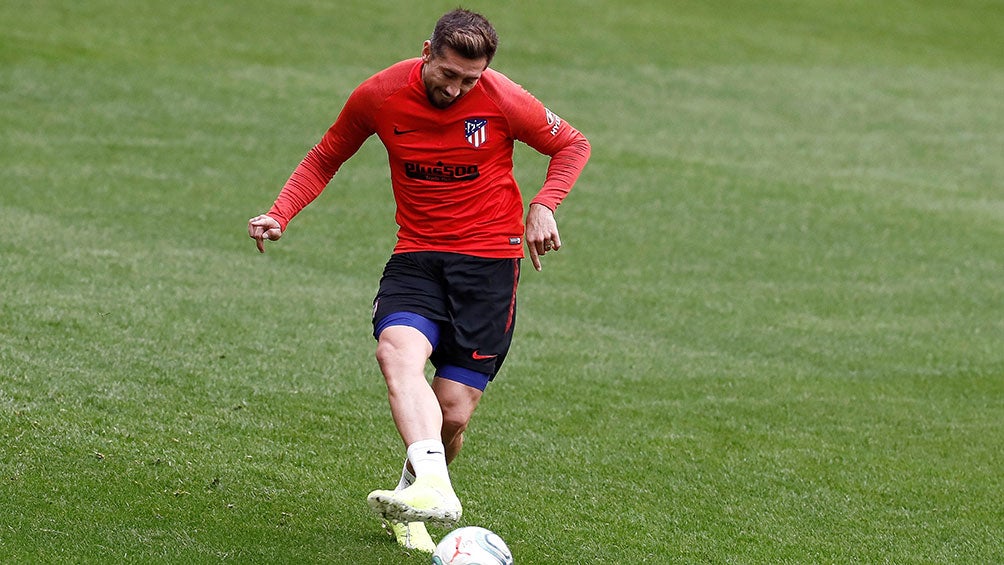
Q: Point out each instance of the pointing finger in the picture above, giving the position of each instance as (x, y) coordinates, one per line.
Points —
(534, 257)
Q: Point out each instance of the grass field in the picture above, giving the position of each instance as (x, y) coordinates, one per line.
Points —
(775, 333)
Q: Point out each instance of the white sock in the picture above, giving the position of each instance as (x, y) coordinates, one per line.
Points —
(407, 478)
(428, 456)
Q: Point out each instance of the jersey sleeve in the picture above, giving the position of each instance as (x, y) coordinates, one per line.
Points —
(532, 123)
(352, 127)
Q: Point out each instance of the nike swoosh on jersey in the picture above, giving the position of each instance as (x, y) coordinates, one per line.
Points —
(479, 357)
(403, 131)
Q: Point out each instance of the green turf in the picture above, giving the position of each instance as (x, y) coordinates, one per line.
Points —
(775, 333)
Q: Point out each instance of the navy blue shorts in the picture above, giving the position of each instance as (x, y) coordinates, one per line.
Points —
(465, 305)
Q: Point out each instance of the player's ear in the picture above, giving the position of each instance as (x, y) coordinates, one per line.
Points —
(426, 51)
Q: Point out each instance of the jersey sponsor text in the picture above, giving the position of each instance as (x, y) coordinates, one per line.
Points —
(441, 172)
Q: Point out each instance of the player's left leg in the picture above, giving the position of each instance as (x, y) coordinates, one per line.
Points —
(472, 348)
(409, 535)
(458, 402)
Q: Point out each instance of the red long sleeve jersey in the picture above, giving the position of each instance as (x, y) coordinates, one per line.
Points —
(452, 168)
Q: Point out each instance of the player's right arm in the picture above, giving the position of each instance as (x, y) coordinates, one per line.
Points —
(318, 167)
(263, 227)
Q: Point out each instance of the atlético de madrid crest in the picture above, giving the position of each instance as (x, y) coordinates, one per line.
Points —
(476, 131)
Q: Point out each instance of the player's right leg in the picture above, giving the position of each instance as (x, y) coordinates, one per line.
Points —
(407, 313)
(458, 402)
(402, 351)
(430, 497)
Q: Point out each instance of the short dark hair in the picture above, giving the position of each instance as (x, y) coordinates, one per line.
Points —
(468, 33)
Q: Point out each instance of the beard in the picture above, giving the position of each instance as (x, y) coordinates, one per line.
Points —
(438, 98)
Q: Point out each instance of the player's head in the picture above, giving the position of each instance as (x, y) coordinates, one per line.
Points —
(460, 49)
(470, 34)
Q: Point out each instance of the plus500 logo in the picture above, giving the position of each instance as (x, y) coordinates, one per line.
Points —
(441, 172)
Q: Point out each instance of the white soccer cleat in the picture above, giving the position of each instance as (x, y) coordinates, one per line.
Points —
(411, 535)
(429, 499)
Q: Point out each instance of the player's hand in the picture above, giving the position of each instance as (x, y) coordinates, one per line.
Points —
(541, 233)
(263, 227)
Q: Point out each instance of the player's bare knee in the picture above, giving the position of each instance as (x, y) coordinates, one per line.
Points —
(454, 423)
(394, 364)
(402, 348)
(391, 355)
(384, 353)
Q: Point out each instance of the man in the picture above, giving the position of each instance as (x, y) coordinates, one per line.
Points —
(448, 292)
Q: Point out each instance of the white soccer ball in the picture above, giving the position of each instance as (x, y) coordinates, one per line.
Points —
(472, 545)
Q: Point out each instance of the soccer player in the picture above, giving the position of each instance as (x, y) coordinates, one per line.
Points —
(448, 291)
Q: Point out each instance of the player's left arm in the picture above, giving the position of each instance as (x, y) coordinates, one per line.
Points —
(569, 150)
(563, 170)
